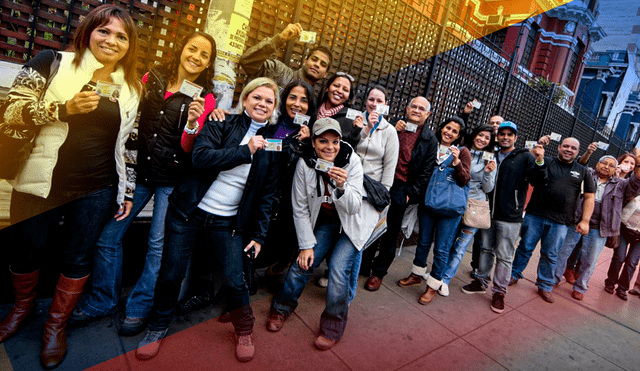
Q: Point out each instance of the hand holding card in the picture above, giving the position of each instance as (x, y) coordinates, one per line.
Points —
(190, 89)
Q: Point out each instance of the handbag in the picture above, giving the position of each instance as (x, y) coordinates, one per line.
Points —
(16, 143)
(477, 214)
(377, 194)
(444, 196)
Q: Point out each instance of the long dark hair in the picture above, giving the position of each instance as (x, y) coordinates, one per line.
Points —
(100, 16)
(324, 94)
(454, 119)
(170, 66)
(478, 130)
(308, 90)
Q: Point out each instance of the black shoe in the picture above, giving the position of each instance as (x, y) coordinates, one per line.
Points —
(513, 281)
(475, 287)
(79, 318)
(132, 326)
(622, 295)
(196, 302)
(474, 273)
(609, 289)
(497, 302)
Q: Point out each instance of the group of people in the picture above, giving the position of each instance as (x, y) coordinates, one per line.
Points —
(217, 178)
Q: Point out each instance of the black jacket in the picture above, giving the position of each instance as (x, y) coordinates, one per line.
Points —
(423, 159)
(161, 159)
(217, 149)
(510, 192)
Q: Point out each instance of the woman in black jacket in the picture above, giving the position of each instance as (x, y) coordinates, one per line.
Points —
(228, 198)
(335, 99)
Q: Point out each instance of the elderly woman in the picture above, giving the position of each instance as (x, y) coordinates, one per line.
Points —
(72, 171)
(331, 219)
(227, 198)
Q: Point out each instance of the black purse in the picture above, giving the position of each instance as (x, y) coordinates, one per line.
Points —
(16, 144)
(377, 193)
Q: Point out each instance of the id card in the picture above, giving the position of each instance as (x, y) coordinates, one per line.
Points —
(382, 109)
(323, 165)
(108, 90)
(488, 156)
(530, 144)
(190, 89)
(327, 200)
(412, 128)
(555, 136)
(301, 119)
(308, 37)
(476, 104)
(603, 146)
(352, 114)
(274, 145)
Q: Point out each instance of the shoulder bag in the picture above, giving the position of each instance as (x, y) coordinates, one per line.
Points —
(16, 145)
(444, 196)
(477, 214)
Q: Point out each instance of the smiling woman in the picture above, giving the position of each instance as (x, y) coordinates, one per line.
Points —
(335, 100)
(74, 174)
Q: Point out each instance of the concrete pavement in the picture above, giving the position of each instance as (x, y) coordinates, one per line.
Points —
(387, 330)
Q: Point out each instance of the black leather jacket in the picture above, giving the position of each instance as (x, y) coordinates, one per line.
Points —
(217, 148)
(161, 160)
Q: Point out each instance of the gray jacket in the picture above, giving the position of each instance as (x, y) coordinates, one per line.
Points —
(481, 182)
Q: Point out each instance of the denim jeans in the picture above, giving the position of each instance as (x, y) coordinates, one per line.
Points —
(499, 244)
(592, 245)
(551, 235)
(227, 250)
(84, 218)
(389, 240)
(444, 228)
(462, 242)
(338, 245)
(107, 266)
(617, 260)
(629, 268)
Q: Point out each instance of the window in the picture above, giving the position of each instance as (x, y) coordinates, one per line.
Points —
(575, 56)
(495, 40)
(529, 47)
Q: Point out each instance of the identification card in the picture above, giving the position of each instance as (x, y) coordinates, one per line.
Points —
(555, 136)
(108, 90)
(382, 109)
(308, 37)
(488, 156)
(603, 146)
(301, 119)
(530, 144)
(352, 114)
(476, 104)
(323, 165)
(411, 127)
(190, 89)
(274, 145)
(327, 200)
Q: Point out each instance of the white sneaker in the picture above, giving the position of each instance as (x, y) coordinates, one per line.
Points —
(150, 345)
(444, 290)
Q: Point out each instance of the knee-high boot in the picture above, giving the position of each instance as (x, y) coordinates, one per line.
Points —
(54, 339)
(24, 287)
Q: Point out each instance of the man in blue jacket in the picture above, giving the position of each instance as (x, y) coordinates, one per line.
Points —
(516, 168)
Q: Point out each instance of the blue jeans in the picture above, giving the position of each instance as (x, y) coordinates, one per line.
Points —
(462, 242)
(630, 264)
(445, 229)
(84, 218)
(592, 245)
(499, 244)
(107, 267)
(343, 254)
(551, 234)
(227, 250)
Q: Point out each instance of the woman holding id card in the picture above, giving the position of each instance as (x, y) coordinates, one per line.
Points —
(483, 175)
(331, 219)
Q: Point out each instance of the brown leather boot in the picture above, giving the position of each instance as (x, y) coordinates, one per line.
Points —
(65, 298)
(427, 296)
(24, 287)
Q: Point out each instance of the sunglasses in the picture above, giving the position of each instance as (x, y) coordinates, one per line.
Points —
(344, 74)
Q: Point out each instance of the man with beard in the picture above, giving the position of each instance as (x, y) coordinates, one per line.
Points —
(256, 62)
(551, 212)
(516, 168)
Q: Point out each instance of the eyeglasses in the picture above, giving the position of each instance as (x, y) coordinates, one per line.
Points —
(419, 108)
(344, 74)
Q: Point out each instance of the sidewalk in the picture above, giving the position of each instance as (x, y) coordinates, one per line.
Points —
(387, 330)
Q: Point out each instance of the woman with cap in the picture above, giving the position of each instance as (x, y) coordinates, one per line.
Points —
(331, 220)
